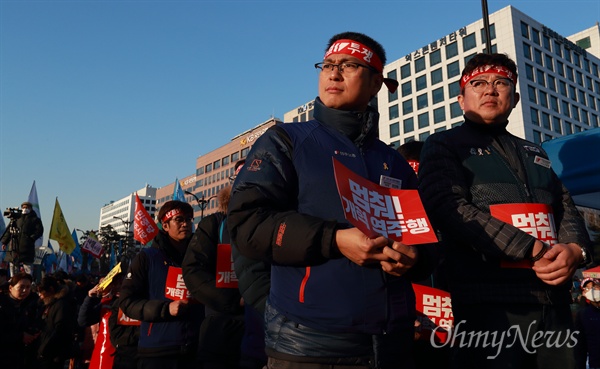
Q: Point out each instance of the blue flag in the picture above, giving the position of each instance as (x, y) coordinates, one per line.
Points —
(76, 253)
(113, 257)
(178, 191)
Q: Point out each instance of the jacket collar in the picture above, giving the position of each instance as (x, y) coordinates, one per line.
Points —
(493, 129)
(360, 127)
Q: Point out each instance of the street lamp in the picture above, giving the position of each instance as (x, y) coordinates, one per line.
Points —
(201, 202)
(127, 224)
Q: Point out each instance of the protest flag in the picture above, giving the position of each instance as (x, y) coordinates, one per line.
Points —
(178, 192)
(35, 204)
(144, 227)
(76, 254)
(59, 230)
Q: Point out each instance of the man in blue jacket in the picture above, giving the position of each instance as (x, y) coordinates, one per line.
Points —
(338, 298)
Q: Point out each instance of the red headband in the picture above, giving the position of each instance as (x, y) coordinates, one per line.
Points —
(358, 50)
(496, 69)
(171, 214)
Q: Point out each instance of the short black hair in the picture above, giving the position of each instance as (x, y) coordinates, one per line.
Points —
(411, 150)
(479, 60)
(363, 39)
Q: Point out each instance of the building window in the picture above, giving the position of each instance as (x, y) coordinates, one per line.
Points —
(556, 125)
(532, 94)
(567, 55)
(200, 171)
(406, 88)
(436, 76)
(586, 65)
(538, 56)
(529, 72)
(551, 83)
(557, 48)
(409, 125)
(235, 156)
(469, 42)
(582, 97)
(579, 77)
(455, 110)
(437, 95)
(527, 51)
(422, 101)
(546, 120)
(554, 103)
(435, 57)
(419, 65)
(395, 145)
(423, 120)
(541, 80)
(453, 69)
(592, 102)
(568, 128)
(405, 71)
(208, 168)
(575, 113)
(439, 115)
(572, 93)
(492, 33)
(537, 137)
(393, 110)
(535, 119)
(245, 152)
(565, 108)
(453, 89)
(392, 96)
(524, 30)
(394, 130)
(421, 82)
(576, 59)
(570, 76)
(451, 50)
(423, 136)
(549, 63)
(543, 98)
(535, 36)
(407, 107)
(546, 42)
(563, 88)
(585, 119)
(560, 68)
(217, 164)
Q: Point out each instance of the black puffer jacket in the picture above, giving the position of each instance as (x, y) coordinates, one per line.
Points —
(30, 228)
(465, 170)
(59, 320)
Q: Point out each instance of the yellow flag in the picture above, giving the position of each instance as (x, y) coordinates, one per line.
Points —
(59, 231)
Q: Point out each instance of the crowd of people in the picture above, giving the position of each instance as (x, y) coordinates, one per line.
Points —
(280, 279)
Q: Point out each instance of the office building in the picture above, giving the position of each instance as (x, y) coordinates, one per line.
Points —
(213, 172)
(558, 80)
(119, 214)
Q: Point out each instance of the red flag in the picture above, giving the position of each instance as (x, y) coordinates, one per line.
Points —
(144, 228)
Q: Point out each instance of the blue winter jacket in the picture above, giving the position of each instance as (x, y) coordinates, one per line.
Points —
(285, 209)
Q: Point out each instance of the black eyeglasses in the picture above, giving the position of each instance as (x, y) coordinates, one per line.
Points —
(347, 68)
(480, 85)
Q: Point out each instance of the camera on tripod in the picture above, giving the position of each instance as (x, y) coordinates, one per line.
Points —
(12, 213)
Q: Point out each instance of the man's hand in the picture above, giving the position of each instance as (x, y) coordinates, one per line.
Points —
(559, 263)
(178, 307)
(401, 258)
(359, 248)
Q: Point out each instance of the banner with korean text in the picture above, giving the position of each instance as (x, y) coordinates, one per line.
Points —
(434, 312)
(375, 210)
(144, 227)
(534, 219)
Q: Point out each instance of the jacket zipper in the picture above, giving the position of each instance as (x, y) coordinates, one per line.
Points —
(524, 185)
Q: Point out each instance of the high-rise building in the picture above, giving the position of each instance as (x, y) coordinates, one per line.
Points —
(558, 80)
(119, 214)
(213, 172)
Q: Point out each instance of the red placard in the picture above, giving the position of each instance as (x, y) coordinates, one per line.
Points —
(175, 288)
(434, 312)
(125, 320)
(226, 277)
(534, 219)
(375, 210)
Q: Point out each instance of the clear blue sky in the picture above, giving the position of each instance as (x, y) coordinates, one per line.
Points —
(98, 98)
